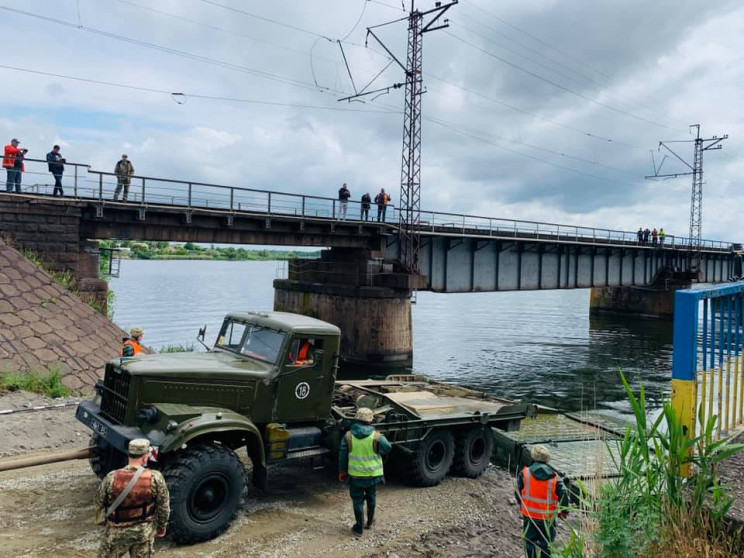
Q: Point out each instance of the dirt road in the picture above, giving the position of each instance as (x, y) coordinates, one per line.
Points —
(47, 511)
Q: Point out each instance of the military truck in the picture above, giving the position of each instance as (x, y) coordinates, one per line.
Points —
(267, 391)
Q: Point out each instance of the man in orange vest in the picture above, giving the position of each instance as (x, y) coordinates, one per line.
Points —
(542, 496)
(135, 503)
(13, 163)
(131, 346)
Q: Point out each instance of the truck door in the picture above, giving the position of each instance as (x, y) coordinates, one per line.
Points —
(300, 385)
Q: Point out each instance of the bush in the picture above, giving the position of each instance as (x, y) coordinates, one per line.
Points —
(45, 382)
(180, 348)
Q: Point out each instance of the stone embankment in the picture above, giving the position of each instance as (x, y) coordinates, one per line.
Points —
(43, 325)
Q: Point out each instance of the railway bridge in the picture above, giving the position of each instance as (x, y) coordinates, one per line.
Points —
(358, 283)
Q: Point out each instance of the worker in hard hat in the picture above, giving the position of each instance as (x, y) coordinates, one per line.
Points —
(131, 346)
(360, 464)
(542, 496)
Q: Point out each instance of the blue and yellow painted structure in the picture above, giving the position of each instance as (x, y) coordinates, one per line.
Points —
(708, 366)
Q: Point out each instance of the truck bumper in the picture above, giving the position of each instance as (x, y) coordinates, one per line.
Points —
(116, 435)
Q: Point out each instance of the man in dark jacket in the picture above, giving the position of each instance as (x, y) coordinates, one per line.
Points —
(360, 464)
(343, 201)
(366, 204)
(56, 166)
(382, 200)
(542, 496)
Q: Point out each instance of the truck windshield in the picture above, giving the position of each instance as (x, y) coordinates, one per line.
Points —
(251, 340)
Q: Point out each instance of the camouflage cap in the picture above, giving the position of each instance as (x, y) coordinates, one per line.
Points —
(365, 415)
(139, 447)
(540, 453)
(137, 332)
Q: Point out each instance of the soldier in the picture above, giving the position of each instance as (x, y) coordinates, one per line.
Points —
(131, 346)
(360, 464)
(136, 504)
(541, 493)
(124, 170)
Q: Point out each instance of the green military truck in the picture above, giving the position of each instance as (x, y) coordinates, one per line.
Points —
(267, 390)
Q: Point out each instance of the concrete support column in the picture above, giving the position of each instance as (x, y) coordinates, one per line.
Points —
(355, 290)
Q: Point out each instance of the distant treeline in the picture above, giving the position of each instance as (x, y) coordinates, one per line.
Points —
(138, 250)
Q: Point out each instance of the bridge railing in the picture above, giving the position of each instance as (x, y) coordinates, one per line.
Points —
(81, 182)
(708, 365)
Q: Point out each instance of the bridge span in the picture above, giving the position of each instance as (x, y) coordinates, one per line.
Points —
(358, 282)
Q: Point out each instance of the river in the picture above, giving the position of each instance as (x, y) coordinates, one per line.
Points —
(540, 346)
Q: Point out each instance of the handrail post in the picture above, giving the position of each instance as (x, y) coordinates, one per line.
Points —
(432, 221)
(333, 210)
(303, 206)
(537, 230)
(269, 207)
(143, 189)
(100, 187)
(76, 179)
(232, 198)
(190, 186)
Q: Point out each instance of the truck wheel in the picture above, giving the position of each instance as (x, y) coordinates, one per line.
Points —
(473, 450)
(432, 459)
(104, 458)
(207, 486)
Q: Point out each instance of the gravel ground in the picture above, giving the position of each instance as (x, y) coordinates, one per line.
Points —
(38, 430)
(732, 474)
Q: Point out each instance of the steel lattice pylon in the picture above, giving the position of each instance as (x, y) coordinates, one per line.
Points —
(410, 180)
(696, 202)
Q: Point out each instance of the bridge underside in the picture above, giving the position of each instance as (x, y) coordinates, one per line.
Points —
(456, 265)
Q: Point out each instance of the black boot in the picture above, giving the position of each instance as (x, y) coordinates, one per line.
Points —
(370, 516)
(357, 528)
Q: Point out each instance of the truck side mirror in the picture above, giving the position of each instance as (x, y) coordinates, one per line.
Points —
(318, 356)
(202, 333)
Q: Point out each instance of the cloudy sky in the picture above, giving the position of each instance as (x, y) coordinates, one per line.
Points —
(535, 109)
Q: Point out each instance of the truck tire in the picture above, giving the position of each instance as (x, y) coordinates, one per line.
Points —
(432, 459)
(104, 458)
(207, 485)
(473, 449)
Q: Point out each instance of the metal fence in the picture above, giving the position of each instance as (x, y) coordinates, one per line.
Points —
(708, 368)
(81, 182)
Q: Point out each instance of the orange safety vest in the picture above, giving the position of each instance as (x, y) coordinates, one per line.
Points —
(138, 506)
(136, 347)
(9, 157)
(304, 349)
(539, 498)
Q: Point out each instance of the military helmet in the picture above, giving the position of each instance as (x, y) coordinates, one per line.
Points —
(139, 447)
(540, 453)
(365, 415)
(137, 332)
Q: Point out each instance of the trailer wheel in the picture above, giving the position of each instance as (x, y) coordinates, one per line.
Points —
(473, 449)
(432, 459)
(207, 484)
(104, 458)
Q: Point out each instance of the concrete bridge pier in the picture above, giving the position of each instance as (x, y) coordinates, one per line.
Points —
(356, 290)
(651, 301)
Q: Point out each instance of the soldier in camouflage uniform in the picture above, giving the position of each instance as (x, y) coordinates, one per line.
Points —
(142, 514)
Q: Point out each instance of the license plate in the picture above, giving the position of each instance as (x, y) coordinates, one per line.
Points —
(98, 428)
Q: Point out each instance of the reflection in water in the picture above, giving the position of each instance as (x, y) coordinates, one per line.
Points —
(540, 346)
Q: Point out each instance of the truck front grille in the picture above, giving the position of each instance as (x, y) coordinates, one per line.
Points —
(115, 392)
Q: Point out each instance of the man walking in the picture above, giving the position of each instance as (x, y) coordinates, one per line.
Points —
(360, 464)
(56, 166)
(135, 504)
(382, 199)
(343, 201)
(540, 493)
(13, 164)
(366, 204)
(123, 171)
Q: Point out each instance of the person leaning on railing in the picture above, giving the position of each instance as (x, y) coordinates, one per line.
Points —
(123, 171)
(13, 163)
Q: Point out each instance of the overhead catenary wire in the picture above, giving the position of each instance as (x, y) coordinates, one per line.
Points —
(192, 95)
(558, 85)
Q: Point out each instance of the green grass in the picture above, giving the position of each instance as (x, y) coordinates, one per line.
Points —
(45, 382)
(179, 348)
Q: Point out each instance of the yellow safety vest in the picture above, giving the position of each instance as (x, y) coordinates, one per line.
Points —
(364, 461)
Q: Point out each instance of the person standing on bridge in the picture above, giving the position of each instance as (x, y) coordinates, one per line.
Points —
(542, 496)
(13, 164)
(124, 170)
(662, 236)
(640, 235)
(360, 465)
(655, 236)
(366, 204)
(343, 201)
(646, 234)
(56, 164)
(135, 504)
(382, 199)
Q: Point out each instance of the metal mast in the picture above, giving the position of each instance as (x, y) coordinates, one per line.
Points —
(696, 198)
(410, 181)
